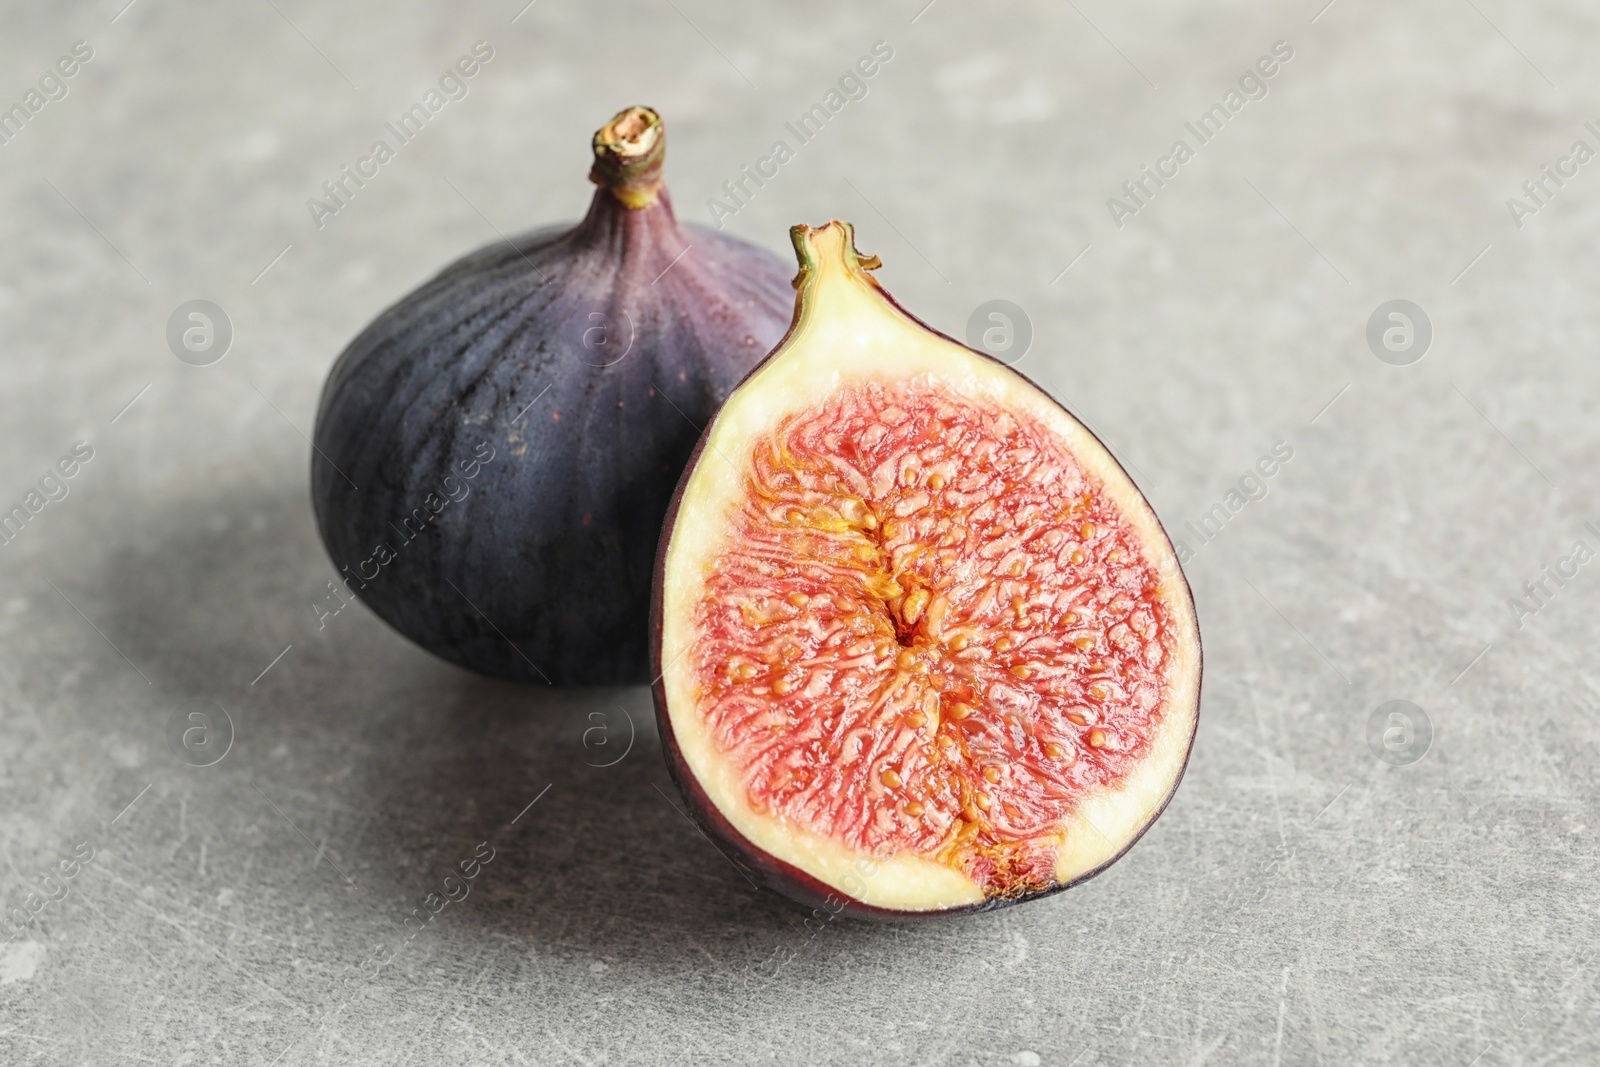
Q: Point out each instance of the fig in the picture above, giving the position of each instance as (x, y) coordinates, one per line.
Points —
(922, 646)
(495, 453)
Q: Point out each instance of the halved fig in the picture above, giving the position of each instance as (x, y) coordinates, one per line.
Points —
(921, 644)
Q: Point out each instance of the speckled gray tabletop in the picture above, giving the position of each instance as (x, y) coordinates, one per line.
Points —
(1340, 879)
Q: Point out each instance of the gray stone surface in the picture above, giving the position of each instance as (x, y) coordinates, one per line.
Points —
(1302, 901)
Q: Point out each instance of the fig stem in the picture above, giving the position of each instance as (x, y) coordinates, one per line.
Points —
(833, 239)
(628, 152)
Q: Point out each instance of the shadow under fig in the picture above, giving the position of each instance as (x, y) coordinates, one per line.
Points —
(605, 865)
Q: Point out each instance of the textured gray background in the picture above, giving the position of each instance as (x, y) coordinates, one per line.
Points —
(1300, 902)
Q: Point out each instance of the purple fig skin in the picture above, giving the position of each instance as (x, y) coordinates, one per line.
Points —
(770, 871)
(582, 363)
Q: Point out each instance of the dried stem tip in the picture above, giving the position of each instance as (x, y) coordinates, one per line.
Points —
(628, 152)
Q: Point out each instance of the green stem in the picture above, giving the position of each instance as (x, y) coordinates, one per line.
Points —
(834, 238)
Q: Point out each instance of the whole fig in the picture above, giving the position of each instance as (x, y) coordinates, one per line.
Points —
(495, 453)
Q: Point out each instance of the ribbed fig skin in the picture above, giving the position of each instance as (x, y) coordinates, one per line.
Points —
(519, 540)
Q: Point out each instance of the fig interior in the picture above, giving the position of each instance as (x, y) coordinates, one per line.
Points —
(923, 643)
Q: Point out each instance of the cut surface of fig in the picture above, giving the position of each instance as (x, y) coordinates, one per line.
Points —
(923, 645)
